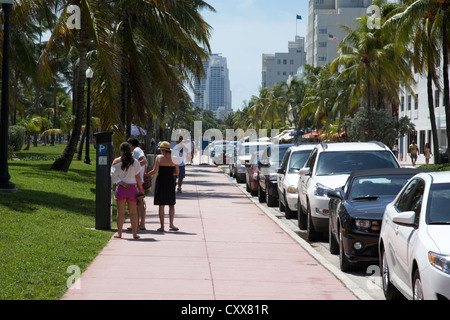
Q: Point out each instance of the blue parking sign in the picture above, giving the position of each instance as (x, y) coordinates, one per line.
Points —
(102, 148)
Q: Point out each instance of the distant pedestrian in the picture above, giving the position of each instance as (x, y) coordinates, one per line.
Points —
(165, 168)
(414, 152)
(395, 149)
(126, 173)
(139, 154)
(178, 150)
(427, 152)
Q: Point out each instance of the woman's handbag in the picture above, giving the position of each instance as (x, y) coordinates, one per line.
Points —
(147, 182)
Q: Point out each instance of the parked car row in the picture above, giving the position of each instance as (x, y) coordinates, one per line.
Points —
(371, 210)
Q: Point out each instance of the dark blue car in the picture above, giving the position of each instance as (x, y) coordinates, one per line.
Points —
(356, 213)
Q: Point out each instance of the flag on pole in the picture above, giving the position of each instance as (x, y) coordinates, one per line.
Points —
(299, 17)
(332, 37)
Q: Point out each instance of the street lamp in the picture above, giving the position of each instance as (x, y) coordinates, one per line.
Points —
(5, 184)
(89, 75)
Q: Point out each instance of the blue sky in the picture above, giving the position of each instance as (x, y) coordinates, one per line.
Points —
(245, 29)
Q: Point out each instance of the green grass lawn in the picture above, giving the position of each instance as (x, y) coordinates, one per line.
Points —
(47, 226)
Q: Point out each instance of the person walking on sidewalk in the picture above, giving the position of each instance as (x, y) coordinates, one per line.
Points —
(126, 173)
(414, 152)
(139, 154)
(165, 168)
(178, 150)
(427, 152)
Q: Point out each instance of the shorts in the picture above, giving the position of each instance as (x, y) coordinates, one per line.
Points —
(123, 193)
(182, 172)
(413, 155)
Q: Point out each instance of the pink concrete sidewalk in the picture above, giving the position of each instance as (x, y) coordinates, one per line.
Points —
(226, 249)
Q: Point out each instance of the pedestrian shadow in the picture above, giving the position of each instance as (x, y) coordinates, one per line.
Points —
(156, 232)
(140, 239)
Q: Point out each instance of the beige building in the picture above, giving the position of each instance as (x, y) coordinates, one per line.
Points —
(277, 68)
(323, 35)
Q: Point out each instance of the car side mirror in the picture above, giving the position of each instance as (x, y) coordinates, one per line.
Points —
(335, 194)
(406, 219)
(304, 171)
(280, 171)
(260, 164)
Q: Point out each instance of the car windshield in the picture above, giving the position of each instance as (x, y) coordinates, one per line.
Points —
(345, 162)
(298, 160)
(438, 201)
(369, 187)
(250, 149)
(277, 154)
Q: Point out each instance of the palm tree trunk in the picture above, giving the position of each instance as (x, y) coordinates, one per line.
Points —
(445, 7)
(369, 107)
(123, 98)
(64, 161)
(432, 118)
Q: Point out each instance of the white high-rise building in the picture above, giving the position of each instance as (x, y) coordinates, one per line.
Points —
(213, 92)
(323, 35)
(278, 67)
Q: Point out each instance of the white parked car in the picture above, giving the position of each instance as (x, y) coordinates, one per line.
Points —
(414, 244)
(328, 167)
(287, 180)
(243, 155)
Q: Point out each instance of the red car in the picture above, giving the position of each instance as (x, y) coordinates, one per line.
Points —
(251, 173)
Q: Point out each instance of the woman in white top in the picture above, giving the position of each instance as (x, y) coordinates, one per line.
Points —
(126, 173)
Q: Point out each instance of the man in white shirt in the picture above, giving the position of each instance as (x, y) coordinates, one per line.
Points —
(140, 156)
(178, 151)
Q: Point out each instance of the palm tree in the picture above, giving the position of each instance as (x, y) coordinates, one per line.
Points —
(320, 98)
(145, 44)
(32, 125)
(425, 42)
(370, 56)
(426, 21)
(294, 97)
(60, 41)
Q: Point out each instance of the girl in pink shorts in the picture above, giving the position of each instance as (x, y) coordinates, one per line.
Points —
(124, 193)
(126, 173)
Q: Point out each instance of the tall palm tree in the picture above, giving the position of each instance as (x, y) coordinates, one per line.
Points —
(143, 44)
(95, 20)
(371, 58)
(427, 20)
(424, 37)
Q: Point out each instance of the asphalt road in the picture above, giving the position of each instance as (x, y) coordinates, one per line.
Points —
(364, 283)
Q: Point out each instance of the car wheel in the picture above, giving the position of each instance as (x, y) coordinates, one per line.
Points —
(417, 286)
(334, 245)
(312, 234)
(253, 192)
(301, 217)
(343, 261)
(389, 290)
(261, 195)
(281, 206)
(270, 200)
(238, 179)
(288, 212)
